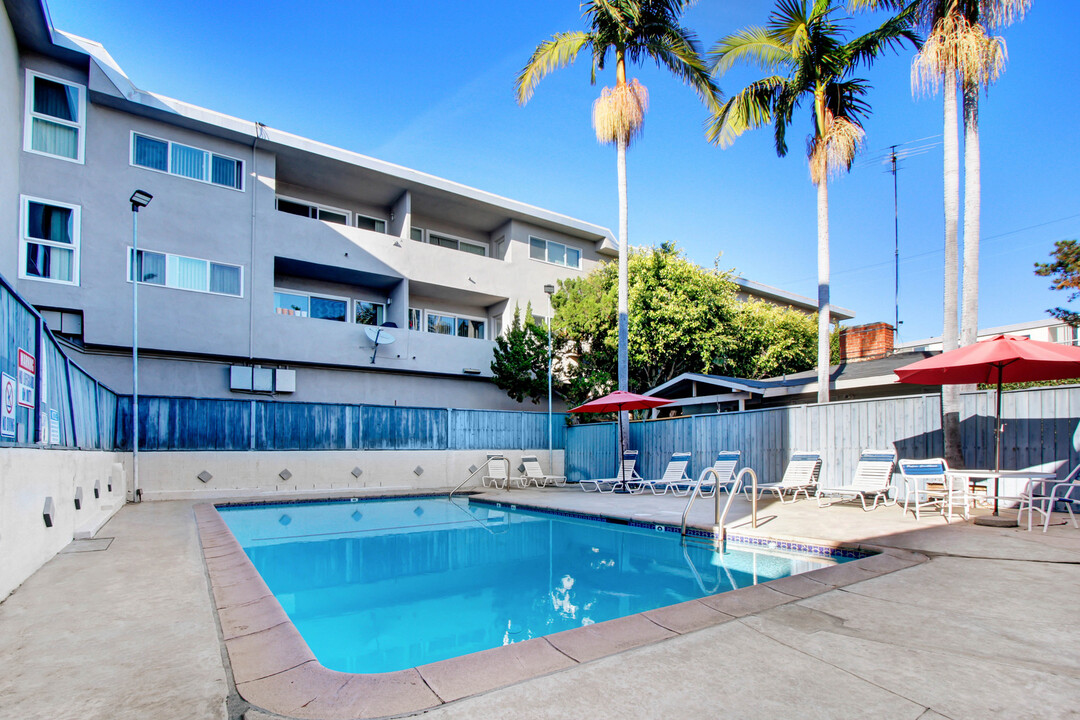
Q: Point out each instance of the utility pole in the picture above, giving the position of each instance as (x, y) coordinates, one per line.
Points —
(896, 240)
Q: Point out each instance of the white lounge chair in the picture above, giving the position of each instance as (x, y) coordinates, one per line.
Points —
(675, 476)
(497, 475)
(534, 474)
(627, 469)
(873, 476)
(1035, 499)
(801, 476)
(926, 484)
(724, 465)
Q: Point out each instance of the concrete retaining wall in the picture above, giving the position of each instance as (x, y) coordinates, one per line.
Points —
(174, 475)
(29, 477)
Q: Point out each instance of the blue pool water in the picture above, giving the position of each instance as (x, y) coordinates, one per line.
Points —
(383, 585)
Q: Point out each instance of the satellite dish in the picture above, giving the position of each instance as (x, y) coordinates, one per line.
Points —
(377, 336)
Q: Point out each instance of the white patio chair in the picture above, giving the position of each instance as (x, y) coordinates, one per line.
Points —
(1035, 499)
(801, 476)
(674, 476)
(724, 465)
(627, 469)
(497, 476)
(534, 474)
(927, 484)
(873, 476)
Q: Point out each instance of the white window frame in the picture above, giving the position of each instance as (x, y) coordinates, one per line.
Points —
(131, 275)
(348, 214)
(24, 238)
(565, 247)
(356, 301)
(347, 300)
(423, 320)
(168, 161)
(358, 215)
(448, 236)
(457, 316)
(29, 115)
(423, 234)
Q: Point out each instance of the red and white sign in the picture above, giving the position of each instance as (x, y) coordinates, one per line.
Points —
(7, 405)
(27, 375)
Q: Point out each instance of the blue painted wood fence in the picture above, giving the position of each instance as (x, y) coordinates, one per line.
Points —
(1042, 429)
(84, 410)
(168, 423)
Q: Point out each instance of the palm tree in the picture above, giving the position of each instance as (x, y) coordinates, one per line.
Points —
(632, 31)
(958, 49)
(804, 48)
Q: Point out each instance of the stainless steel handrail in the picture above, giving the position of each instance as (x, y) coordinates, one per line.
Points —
(484, 467)
(719, 518)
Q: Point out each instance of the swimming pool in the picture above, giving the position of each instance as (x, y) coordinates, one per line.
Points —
(383, 585)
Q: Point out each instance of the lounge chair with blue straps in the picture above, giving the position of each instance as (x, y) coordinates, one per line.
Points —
(872, 481)
(801, 476)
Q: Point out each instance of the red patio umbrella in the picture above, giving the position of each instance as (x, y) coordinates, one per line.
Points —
(617, 402)
(1002, 359)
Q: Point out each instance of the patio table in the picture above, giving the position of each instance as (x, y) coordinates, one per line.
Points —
(969, 474)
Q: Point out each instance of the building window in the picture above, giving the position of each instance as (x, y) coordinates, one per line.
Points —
(455, 243)
(368, 313)
(287, 302)
(553, 252)
(50, 241)
(310, 210)
(442, 324)
(417, 234)
(55, 117)
(416, 319)
(369, 223)
(185, 273)
(186, 161)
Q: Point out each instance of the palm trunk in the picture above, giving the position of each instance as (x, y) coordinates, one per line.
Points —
(969, 325)
(823, 359)
(950, 394)
(624, 334)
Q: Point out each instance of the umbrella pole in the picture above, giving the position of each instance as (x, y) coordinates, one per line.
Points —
(997, 444)
(620, 453)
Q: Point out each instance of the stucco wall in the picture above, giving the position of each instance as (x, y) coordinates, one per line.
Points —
(173, 475)
(27, 477)
(10, 144)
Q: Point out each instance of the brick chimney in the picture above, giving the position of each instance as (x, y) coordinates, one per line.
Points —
(866, 342)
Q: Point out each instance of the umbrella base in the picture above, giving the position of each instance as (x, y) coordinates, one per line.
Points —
(995, 521)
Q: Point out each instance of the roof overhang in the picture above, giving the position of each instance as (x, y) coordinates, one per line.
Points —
(783, 297)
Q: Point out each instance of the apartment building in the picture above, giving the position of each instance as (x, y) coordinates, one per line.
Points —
(267, 263)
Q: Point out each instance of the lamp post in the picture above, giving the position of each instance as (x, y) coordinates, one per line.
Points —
(139, 199)
(550, 290)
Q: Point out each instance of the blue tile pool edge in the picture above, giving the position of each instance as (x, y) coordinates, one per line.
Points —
(765, 542)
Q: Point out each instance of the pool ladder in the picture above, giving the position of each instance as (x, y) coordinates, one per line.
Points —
(491, 459)
(720, 518)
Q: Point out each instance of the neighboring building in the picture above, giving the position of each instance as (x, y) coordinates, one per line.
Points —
(1048, 330)
(264, 258)
(750, 289)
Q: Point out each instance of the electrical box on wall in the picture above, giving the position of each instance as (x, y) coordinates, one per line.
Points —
(262, 379)
(284, 380)
(240, 378)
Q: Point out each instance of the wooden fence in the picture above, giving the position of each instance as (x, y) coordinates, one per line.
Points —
(1042, 429)
(169, 423)
(68, 408)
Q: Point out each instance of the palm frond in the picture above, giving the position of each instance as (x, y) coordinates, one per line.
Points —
(755, 45)
(890, 35)
(747, 110)
(561, 50)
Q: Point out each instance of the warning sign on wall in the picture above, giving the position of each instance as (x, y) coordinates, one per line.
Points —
(26, 373)
(7, 405)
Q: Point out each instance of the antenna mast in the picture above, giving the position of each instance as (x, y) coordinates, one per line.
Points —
(896, 240)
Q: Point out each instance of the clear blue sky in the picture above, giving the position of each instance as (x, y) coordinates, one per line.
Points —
(428, 84)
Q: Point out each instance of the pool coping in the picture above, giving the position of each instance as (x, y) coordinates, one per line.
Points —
(273, 669)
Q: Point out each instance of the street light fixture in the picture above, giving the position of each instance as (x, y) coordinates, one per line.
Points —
(139, 200)
(550, 290)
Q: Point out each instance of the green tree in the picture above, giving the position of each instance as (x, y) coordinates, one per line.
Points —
(1064, 273)
(684, 318)
(520, 366)
(632, 31)
(803, 50)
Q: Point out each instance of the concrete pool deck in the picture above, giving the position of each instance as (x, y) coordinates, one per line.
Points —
(984, 628)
